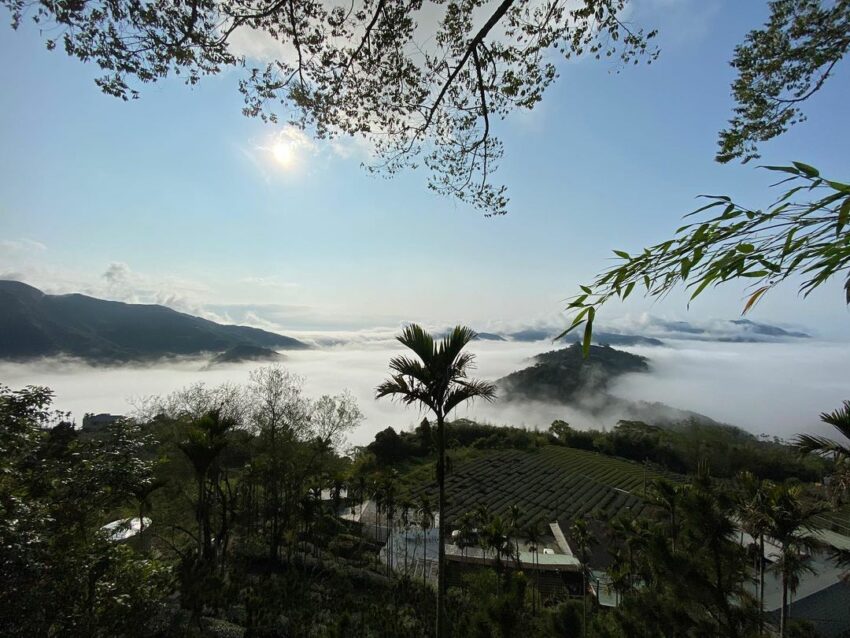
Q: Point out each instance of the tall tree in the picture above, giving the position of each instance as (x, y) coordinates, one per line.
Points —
(790, 526)
(838, 451)
(205, 441)
(532, 534)
(278, 413)
(582, 538)
(426, 521)
(698, 589)
(754, 513)
(437, 379)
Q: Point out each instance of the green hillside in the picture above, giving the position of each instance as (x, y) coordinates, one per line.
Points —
(548, 484)
(34, 324)
(561, 375)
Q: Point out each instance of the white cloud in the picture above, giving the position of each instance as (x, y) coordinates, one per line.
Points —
(18, 247)
(775, 388)
(259, 46)
(123, 284)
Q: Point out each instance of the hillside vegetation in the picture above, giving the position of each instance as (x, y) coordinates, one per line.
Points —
(34, 324)
(549, 484)
(560, 376)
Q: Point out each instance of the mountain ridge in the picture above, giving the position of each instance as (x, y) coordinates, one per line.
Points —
(34, 324)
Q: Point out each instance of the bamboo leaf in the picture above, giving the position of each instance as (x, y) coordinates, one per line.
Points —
(810, 171)
(843, 216)
(701, 287)
(588, 332)
(754, 298)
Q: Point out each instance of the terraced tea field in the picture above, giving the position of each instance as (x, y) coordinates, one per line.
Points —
(553, 483)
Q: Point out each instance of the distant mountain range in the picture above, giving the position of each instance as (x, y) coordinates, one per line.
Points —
(735, 331)
(34, 324)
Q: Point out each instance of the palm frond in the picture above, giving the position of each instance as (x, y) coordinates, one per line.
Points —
(463, 363)
(469, 390)
(408, 393)
(814, 444)
(839, 419)
(451, 346)
(417, 339)
(411, 368)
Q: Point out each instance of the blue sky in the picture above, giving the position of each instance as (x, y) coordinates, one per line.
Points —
(174, 199)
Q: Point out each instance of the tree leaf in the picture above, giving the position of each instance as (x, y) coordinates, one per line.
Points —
(810, 171)
(701, 287)
(754, 298)
(843, 216)
(588, 332)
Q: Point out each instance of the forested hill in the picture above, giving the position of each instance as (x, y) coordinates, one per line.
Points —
(560, 375)
(34, 324)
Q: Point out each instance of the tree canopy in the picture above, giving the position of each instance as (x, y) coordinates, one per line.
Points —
(422, 81)
(779, 67)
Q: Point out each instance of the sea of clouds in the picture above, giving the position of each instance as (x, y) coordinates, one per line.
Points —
(776, 388)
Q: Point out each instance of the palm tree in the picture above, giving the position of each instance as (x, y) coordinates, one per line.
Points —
(495, 537)
(389, 509)
(436, 380)
(840, 419)
(426, 519)
(142, 492)
(514, 516)
(532, 540)
(667, 495)
(405, 506)
(206, 439)
(791, 522)
(754, 511)
(823, 446)
(582, 539)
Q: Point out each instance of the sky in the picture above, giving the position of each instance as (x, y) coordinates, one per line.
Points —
(178, 198)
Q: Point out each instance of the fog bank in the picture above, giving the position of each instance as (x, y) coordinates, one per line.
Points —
(775, 388)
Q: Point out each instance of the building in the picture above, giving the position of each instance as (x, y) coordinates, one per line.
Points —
(93, 423)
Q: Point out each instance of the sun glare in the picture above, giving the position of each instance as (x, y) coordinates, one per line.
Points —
(283, 153)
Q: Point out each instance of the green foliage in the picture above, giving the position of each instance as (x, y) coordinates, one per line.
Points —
(243, 544)
(562, 375)
(437, 379)
(809, 238)
(38, 325)
(61, 575)
(682, 580)
(779, 67)
(552, 483)
(490, 604)
(683, 446)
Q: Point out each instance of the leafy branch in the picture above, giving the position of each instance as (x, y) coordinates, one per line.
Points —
(809, 238)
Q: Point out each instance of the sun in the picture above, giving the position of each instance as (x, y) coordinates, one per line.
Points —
(283, 152)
